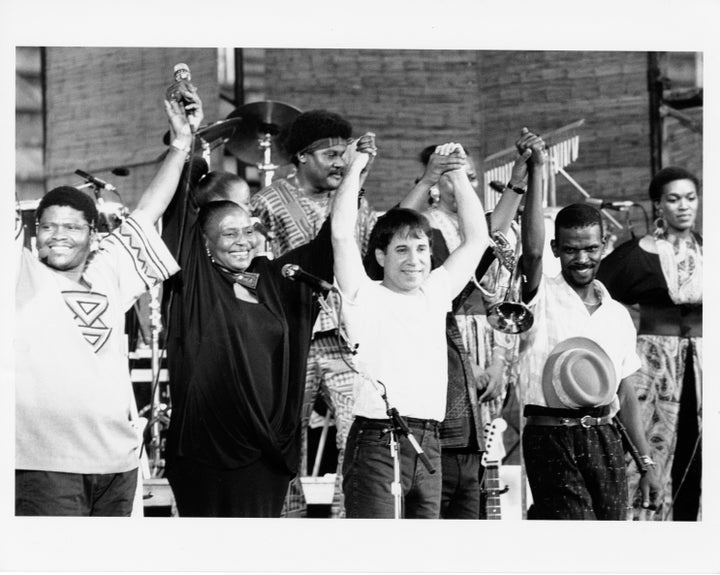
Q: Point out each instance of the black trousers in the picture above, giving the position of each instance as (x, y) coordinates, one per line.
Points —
(575, 473)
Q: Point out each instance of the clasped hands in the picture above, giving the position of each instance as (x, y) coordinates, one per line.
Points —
(450, 157)
(363, 151)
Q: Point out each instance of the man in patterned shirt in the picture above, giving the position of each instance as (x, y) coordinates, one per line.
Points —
(292, 210)
(77, 443)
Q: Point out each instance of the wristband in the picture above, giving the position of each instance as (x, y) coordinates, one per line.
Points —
(178, 145)
(515, 189)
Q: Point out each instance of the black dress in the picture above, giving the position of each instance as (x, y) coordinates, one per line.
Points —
(237, 374)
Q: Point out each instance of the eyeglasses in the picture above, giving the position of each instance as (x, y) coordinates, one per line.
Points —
(71, 228)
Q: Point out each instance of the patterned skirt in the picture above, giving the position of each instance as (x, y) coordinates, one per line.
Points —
(669, 390)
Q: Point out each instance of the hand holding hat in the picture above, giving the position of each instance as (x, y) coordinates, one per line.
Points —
(578, 373)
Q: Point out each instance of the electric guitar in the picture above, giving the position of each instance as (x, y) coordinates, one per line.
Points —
(491, 460)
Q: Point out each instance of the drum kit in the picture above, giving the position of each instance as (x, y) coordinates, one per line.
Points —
(252, 133)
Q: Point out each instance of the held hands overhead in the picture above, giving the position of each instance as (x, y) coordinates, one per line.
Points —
(361, 152)
(531, 147)
(531, 150)
(446, 158)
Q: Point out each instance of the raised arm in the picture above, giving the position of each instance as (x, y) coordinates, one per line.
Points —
(437, 165)
(462, 262)
(506, 208)
(183, 123)
(348, 267)
(533, 219)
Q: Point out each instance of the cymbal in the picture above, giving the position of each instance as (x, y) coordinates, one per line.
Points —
(211, 132)
(258, 120)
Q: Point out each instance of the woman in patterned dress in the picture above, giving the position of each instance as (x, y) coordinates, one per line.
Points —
(662, 273)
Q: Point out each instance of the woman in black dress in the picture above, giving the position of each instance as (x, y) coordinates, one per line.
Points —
(238, 338)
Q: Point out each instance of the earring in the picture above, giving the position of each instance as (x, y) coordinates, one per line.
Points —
(434, 196)
(660, 230)
(207, 251)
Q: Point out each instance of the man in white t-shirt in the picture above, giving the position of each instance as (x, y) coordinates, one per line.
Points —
(77, 444)
(398, 325)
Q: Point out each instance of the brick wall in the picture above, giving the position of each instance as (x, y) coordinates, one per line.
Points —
(104, 110)
(412, 98)
(29, 133)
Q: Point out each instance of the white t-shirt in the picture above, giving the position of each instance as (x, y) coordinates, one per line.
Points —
(401, 343)
(560, 314)
(72, 383)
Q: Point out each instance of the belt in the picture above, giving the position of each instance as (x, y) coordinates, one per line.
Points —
(411, 421)
(683, 320)
(586, 421)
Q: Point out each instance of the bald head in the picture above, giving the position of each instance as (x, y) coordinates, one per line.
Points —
(212, 212)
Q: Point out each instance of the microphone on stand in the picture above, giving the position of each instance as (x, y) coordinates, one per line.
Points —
(296, 273)
(403, 429)
(614, 205)
(101, 184)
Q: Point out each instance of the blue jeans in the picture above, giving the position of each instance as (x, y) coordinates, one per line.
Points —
(368, 471)
(49, 493)
(460, 485)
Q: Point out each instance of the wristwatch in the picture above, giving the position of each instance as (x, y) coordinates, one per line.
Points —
(516, 189)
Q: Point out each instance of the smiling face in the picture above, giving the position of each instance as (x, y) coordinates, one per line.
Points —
(679, 205)
(64, 238)
(231, 239)
(323, 169)
(405, 261)
(580, 251)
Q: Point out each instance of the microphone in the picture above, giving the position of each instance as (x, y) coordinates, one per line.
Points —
(615, 205)
(499, 187)
(402, 428)
(102, 184)
(121, 171)
(296, 273)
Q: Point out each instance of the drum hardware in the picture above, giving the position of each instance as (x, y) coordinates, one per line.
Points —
(256, 139)
(210, 137)
(111, 210)
(509, 315)
(159, 410)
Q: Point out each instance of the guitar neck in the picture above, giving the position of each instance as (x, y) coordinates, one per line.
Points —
(492, 491)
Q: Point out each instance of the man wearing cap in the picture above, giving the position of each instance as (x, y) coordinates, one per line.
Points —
(292, 210)
(574, 362)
